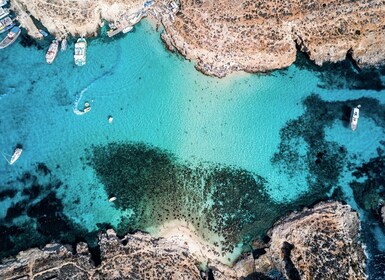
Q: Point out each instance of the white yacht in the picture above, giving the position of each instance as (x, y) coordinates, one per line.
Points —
(354, 117)
(63, 45)
(80, 55)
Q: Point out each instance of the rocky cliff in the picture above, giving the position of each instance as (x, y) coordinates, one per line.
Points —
(225, 36)
(317, 243)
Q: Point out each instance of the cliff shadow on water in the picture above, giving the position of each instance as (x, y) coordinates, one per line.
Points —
(344, 74)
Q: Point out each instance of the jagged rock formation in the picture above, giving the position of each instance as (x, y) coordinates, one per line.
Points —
(317, 243)
(137, 256)
(63, 17)
(225, 36)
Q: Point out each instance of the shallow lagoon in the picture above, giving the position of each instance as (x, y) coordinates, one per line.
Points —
(275, 141)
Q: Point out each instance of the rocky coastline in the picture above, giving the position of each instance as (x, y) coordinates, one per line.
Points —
(223, 37)
(317, 242)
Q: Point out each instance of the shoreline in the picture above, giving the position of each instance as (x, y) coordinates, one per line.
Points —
(183, 234)
(212, 40)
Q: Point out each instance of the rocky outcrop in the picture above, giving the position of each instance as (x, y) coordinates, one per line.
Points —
(224, 36)
(136, 256)
(63, 17)
(319, 243)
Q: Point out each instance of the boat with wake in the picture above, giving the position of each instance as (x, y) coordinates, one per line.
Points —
(354, 117)
(80, 55)
(52, 51)
(11, 37)
(15, 156)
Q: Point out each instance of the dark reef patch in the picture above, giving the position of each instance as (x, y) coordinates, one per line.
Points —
(344, 74)
(37, 217)
(158, 188)
(370, 193)
(323, 160)
(7, 193)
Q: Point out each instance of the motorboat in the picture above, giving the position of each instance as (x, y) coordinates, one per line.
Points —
(80, 55)
(354, 117)
(3, 12)
(42, 32)
(52, 51)
(127, 29)
(11, 37)
(15, 156)
(5, 24)
(3, 3)
(63, 45)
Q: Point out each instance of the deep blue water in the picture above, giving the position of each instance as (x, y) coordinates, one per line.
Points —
(230, 156)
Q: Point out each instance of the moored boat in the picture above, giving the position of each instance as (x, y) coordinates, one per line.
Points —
(11, 37)
(3, 12)
(127, 29)
(354, 117)
(63, 45)
(42, 32)
(80, 55)
(52, 51)
(5, 23)
(3, 3)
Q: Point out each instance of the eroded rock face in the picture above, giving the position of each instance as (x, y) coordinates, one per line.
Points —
(142, 257)
(319, 243)
(225, 36)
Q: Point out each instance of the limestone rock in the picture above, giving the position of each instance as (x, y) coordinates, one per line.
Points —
(319, 243)
(141, 257)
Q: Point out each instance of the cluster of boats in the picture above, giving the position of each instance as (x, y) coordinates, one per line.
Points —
(80, 55)
(7, 24)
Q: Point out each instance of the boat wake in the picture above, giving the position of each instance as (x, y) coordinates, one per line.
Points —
(76, 103)
(106, 73)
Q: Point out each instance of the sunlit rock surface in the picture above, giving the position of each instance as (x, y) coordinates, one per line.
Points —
(224, 36)
(319, 243)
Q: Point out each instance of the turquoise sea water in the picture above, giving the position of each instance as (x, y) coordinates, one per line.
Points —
(179, 141)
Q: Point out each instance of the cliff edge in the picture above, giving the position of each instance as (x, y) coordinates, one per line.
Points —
(317, 243)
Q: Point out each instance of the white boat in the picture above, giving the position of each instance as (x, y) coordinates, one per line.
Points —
(354, 117)
(80, 55)
(127, 29)
(11, 37)
(3, 12)
(63, 45)
(4, 23)
(112, 199)
(52, 51)
(3, 3)
(136, 18)
(15, 156)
